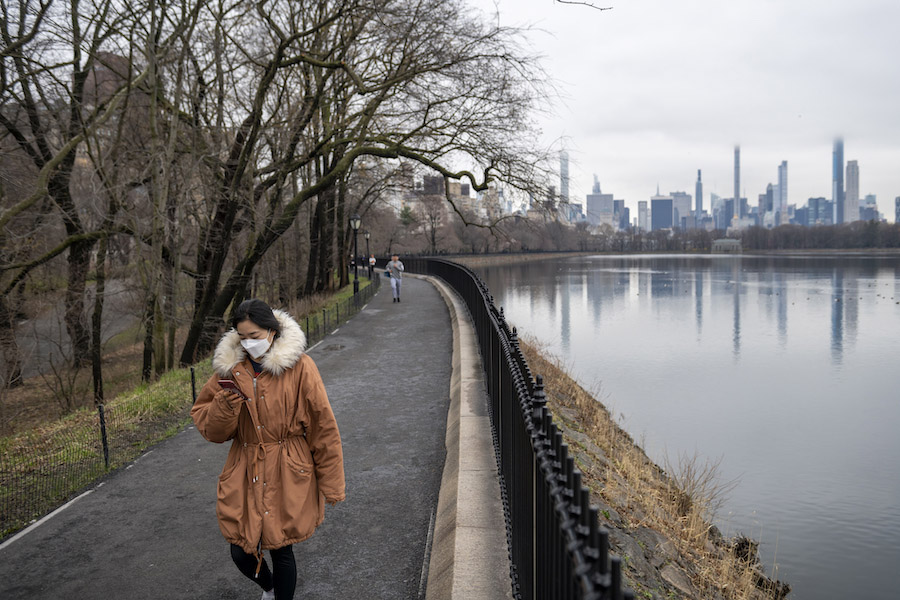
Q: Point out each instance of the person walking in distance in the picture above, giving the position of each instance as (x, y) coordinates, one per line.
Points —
(395, 269)
(286, 459)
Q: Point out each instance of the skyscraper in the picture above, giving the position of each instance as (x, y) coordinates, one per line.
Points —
(737, 178)
(661, 212)
(698, 194)
(644, 215)
(563, 177)
(782, 192)
(897, 209)
(681, 207)
(769, 199)
(600, 208)
(837, 180)
(851, 197)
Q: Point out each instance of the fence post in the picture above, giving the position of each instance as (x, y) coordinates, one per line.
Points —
(103, 436)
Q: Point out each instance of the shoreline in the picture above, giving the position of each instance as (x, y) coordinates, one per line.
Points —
(660, 523)
(486, 260)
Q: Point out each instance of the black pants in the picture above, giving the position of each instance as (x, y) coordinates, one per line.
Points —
(283, 576)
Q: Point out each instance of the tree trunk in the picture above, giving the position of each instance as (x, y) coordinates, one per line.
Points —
(315, 242)
(343, 231)
(97, 322)
(79, 264)
(11, 358)
(326, 241)
(149, 316)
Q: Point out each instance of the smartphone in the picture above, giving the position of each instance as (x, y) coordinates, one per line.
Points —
(230, 385)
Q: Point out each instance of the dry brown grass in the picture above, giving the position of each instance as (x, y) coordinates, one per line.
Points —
(632, 491)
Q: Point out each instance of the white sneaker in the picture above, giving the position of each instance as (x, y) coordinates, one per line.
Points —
(270, 595)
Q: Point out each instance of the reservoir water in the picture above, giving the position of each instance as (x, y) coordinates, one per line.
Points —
(784, 368)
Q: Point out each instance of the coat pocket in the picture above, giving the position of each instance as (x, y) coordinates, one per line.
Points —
(232, 497)
(298, 496)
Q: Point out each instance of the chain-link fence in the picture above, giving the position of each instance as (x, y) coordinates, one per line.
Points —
(42, 468)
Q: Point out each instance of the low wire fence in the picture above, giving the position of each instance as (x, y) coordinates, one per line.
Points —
(557, 549)
(42, 468)
(318, 325)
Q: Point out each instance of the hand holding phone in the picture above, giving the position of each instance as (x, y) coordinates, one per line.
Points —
(232, 387)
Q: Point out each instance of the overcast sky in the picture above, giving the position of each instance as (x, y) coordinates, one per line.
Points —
(655, 89)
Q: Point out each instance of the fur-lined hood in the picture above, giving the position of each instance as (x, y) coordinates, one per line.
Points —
(284, 353)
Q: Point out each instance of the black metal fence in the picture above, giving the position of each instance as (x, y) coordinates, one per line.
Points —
(557, 549)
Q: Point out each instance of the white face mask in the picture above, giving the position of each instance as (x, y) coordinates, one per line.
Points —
(256, 348)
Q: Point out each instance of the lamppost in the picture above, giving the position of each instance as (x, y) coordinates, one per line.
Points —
(366, 235)
(355, 222)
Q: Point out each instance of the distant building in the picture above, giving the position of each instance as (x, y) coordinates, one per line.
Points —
(600, 207)
(851, 199)
(737, 178)
(821, 212)
(661, 212)
(770, 195)
(782, 196)
(726, 246)
(897, 209)
(433, 185)
(765, 219)
(644, 216)
(868, 210)
(837, 181)
(698, 196)
(728, 212)
(625, 221)
(681, 207)
(563, 177)
(618, 209)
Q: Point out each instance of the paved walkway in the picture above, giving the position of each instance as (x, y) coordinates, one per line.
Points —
(149, 532)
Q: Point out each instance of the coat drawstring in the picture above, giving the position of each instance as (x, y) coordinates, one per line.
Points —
(259, 558)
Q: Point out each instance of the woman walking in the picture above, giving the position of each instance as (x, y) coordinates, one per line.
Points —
(286, 459)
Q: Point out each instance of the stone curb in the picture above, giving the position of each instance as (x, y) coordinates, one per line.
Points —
(469, 555)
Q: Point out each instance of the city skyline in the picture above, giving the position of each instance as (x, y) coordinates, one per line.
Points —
(652, 91)
(845, 178)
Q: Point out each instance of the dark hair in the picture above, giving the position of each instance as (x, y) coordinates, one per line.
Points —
(257, 311)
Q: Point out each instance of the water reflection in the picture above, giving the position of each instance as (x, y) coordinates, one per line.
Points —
(736, 299)
(602, 284)
(837, 316)
(698, 301)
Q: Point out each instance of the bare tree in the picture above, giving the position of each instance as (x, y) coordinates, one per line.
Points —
(414, 80)
(63, 83)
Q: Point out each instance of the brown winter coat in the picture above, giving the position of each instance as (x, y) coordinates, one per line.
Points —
(286, 458)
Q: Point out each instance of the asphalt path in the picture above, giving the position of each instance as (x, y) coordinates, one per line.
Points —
(149, 530)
